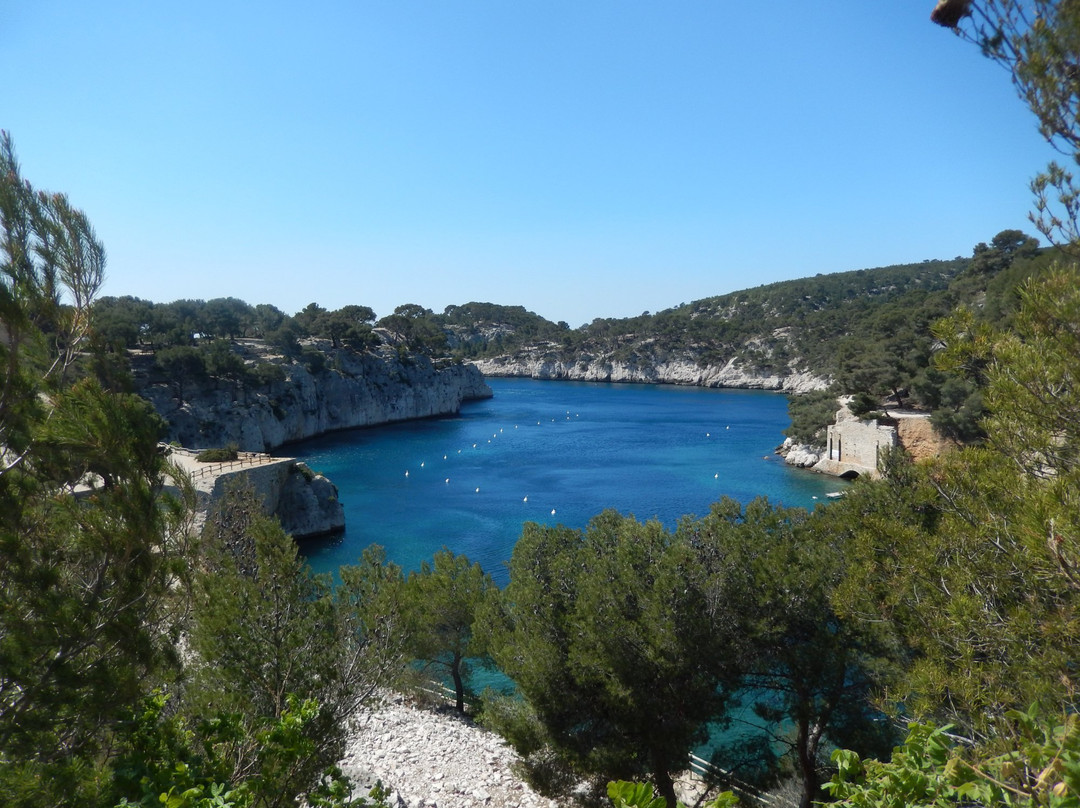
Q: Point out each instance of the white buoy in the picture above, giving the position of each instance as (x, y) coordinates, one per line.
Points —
(526, 499)
(716, 476)
(552, 511)
(447, 480)
(478, 490)
(421, 465)
(406, 474)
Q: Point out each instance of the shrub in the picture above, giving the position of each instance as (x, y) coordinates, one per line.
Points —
(223, 455)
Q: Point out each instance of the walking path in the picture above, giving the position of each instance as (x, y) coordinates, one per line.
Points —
(204, 475)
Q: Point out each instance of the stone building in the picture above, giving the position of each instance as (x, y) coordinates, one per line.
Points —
(855, 446)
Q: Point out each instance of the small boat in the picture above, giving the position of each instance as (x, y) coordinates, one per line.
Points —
(835, 494)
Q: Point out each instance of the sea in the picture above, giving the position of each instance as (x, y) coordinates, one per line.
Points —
(552, 452)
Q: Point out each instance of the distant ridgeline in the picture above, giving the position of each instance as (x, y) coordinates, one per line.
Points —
(867, 333)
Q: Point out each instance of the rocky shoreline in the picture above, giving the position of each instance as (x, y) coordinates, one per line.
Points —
(685, 370)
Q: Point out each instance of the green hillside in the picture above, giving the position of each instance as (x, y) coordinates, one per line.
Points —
(867, 332)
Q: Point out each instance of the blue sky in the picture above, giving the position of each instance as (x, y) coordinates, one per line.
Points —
(582, 158)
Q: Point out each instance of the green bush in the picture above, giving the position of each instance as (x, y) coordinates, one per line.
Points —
(810, 413)
(223, 455)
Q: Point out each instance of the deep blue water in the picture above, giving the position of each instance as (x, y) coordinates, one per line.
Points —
(550, 452)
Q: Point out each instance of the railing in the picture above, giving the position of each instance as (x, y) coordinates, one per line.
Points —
(711, 773)
(243, 460)
(250, 460)
(441, 692)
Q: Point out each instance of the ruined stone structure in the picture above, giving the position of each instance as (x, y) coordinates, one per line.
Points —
(855, 447)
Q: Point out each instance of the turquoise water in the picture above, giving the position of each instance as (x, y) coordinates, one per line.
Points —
(550, 452)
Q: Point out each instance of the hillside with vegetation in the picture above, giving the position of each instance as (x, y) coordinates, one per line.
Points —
(223, 373)
(868, 333)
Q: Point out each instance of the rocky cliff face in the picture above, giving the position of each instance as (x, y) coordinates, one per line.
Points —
(921, 440)
(305, 503)
(308, 504)
(353, 390)
(671, 370)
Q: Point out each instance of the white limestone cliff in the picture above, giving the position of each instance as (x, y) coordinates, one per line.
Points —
(355, 390)
(801, 455)
(670, 370)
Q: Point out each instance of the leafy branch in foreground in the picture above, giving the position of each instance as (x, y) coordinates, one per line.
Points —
(92, 574)
(1038, 42)
(624, 794)
(1040, 767)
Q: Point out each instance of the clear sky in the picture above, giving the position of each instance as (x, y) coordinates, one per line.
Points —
(582, 158)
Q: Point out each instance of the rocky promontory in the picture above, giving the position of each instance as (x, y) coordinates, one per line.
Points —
(304, 502)
(341, 390)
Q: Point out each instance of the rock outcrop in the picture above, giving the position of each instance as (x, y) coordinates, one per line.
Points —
(354, 390)
(800, 455)
(920, 439)
(306, 503)
(685, 370)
